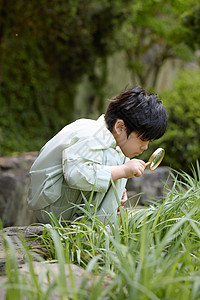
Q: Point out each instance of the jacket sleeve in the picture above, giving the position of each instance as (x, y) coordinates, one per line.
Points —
(83, 169)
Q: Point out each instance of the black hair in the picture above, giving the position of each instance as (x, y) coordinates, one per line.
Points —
(141, 113)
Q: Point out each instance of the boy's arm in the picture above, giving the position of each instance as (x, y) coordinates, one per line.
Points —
(134, 167)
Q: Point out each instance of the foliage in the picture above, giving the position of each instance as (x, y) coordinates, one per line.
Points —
(47, 46)
(153, 33)
(181, 140)
(192, 22)
(152, 253)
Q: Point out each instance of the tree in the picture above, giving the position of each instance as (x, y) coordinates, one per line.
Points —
(181, 140)
(153, 33)
(191, 21)
(45, 48)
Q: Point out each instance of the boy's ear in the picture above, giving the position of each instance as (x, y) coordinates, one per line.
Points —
(119, 126)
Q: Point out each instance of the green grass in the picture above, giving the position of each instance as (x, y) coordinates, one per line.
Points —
(152, 253)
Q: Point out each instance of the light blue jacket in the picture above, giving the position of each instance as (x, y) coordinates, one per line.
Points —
(79, 156)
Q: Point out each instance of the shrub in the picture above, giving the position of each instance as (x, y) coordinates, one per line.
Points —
(181, 140)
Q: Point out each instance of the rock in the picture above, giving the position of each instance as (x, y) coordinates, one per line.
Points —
(2, 288)
(14, 182)
(15, 234)
(48, 272)
(75, 276)
(151, 185)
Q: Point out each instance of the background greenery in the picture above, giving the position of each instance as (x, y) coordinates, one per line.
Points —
(49, 49)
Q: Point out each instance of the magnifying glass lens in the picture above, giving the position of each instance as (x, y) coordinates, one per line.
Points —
(156, 158)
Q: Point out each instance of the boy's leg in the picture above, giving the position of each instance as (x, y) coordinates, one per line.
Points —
(65, 206)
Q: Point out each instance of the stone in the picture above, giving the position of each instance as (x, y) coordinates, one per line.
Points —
(15, 234)
(14, 182)
(79, 277)
(152, 185)
(2, 288)
(48, 271)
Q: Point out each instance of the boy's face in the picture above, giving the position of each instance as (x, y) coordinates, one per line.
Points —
(131, 146)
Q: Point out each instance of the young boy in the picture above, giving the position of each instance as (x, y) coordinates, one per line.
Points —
(86, 155)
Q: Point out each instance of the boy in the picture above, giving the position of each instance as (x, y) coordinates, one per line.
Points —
(86, 155)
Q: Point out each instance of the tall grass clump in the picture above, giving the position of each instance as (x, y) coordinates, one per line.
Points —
(148, 253)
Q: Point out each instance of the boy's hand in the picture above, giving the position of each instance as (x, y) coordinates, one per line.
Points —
(134, 167)
(123, 201)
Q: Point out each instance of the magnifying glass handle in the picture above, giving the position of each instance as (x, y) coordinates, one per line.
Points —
(148, 163)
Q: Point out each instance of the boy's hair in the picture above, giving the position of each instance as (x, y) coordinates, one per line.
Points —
(141, 113)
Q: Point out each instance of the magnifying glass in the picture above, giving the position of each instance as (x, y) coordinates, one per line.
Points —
(155, 159)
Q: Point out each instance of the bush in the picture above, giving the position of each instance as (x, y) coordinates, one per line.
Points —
(181, 140)
(45, 49)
